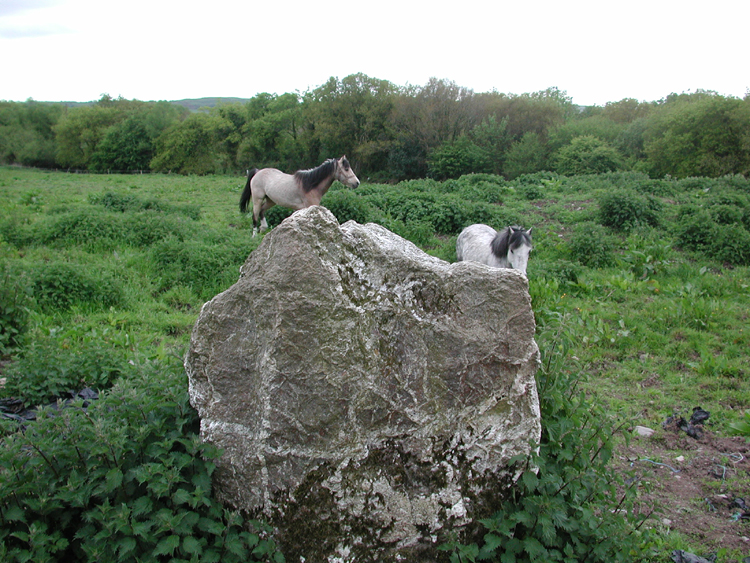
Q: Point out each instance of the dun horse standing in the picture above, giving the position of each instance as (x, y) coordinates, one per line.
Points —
(508, 248)
(268, 187)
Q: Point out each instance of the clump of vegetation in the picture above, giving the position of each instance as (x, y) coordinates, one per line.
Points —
(592, 245)
(113, 201)
(207, 267)
(14, 312)
(346, 206)
(717, 226)
(125, 479)
(625, 210)
(586, 154)
(59, 365)
(61, 285)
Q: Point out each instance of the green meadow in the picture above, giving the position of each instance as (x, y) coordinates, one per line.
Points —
(639, 286)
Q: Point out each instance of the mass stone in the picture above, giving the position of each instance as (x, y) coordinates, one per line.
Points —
(367, 397)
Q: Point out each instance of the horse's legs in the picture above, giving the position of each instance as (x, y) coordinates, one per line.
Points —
(267, 204)
(259, 214)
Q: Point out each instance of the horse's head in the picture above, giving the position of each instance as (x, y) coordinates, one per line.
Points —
(519, 248)
(345, 174)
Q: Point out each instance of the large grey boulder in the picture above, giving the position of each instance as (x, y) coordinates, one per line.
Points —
(367, 397)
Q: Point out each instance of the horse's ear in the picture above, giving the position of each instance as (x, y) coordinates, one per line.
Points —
(510, 230)
(529, 231)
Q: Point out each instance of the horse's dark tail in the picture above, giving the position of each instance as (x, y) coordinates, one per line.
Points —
(247, 193)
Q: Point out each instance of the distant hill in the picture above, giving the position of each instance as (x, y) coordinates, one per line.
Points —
(193, 104)
(198, 104)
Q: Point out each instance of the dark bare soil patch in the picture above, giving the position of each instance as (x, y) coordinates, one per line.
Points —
(699, 487)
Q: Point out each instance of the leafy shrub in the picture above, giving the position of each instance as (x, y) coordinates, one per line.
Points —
(126, 479)
(276, 215)
(404, 204)
(486, 188)
(726, 214)
(346, 206)
(532, 192)
(730, 244)
(586, 155)
(693, 183)
(697, 230)
(450, 214)
(485, 192)
(561, 270)
(148, 227)
(455, 158)
(546, 295)
(538, 178)
(634, 181)
(479, 178)
(128, 202)
(528, 155)
(694, 226)
(568, 504)
(420, 233)
(56, 366)
(422, 185)
(592, 246)
(205, 267)
(93, 228)
(117, 202)
(625, 210)
(85, 227)
(60, 285)
(737, 182)
(17, 232)
(661, 188)
(14, 312)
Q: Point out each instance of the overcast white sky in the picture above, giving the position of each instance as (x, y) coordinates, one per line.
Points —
(596, 50)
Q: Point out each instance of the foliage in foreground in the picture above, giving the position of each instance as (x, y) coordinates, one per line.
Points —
(123, 479)
(568, 505)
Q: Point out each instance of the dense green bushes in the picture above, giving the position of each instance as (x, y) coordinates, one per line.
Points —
(624, 210)
(592, 246)
(207, 267)
(96, 229)
(58, 365)
(346, 206)
(113, 201)
(124, 479)
(61, 285)
(717, 222)
(14, 311)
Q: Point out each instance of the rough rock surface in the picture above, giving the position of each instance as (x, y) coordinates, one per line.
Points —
(367, 396)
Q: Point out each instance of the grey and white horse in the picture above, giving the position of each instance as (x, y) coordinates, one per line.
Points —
(268, 187)
(508, 248)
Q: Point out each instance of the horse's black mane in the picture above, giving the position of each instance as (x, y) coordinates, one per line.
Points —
(509, 237)
(308, 179)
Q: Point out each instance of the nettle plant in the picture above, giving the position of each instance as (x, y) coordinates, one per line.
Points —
(124, 479)
(14, 312)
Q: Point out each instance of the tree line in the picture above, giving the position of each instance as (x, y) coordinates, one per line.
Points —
(390, 133)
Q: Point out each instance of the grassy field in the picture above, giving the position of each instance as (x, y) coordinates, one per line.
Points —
(650, 291)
